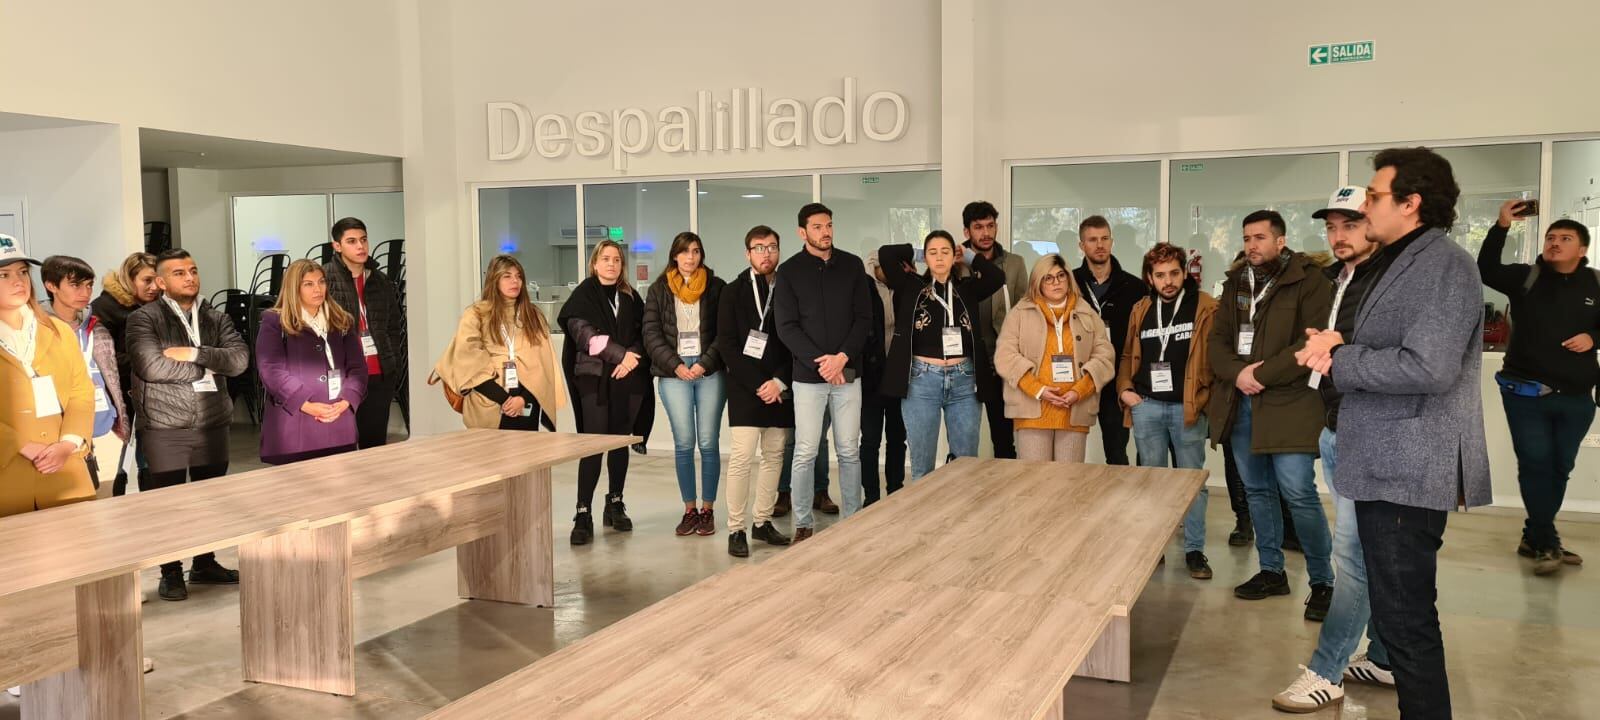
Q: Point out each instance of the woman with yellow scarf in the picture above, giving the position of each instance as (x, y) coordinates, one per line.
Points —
(680, 323)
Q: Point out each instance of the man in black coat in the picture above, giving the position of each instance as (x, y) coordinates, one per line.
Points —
(760, 406)
(1112, 291)
(356, 284)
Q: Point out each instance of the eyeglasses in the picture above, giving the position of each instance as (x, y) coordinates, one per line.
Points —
(1055, 278)
(763, 249)
(1373, 195)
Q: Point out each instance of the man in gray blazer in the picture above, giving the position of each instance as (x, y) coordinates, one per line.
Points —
(1411, 439)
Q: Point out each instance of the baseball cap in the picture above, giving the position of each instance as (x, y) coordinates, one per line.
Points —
(11, 252)
(1347, 200)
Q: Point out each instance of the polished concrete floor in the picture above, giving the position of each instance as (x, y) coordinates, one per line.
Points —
(1519, 646)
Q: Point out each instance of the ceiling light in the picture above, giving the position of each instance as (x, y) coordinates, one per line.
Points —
(752, 195)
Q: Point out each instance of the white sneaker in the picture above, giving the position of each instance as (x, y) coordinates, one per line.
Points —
(1308, 693)
(1363, 670)
(15, 691)
(149, 665)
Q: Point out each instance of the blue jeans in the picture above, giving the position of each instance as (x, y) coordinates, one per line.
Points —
(694, 409)
(932, 390)
(1351, 609)
(820, 482)
(1156, 426)
(1293, 477)
(842, 405)
(1546, 433)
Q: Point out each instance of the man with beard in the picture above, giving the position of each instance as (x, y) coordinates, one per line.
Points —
(1112, 291)
(979, 223)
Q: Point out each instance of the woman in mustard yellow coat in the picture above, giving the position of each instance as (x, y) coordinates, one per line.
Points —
(46, 398)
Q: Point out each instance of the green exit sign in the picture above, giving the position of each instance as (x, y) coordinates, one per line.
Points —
(615, 233)
(1192, 167)
(869, 180)
(1340, 53)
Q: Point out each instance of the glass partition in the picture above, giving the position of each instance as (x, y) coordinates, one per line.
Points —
(538, 225)
(876, 209)
(730, 207)
(1048, 202)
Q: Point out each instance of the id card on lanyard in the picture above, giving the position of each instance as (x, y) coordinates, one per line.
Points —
(950, 334)
(1315, 381)
(755, 344)
(1161, 370)
(191, 325)
(1247, 332)
(102, 402)
(511, 354)
(1062, 369)
(45, 400)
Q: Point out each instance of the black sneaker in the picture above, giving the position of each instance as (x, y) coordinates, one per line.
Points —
(1243, 533)
(1264, 585)
(769, 534)
(172, 587)
(1199, 567)
(1317, 604)
(737, 545)
(210, 573)
(616, 515)
(582, 528)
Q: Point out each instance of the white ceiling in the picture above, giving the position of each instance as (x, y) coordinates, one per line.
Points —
(164, 149)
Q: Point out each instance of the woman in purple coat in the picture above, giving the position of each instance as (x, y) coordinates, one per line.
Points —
(310, 361)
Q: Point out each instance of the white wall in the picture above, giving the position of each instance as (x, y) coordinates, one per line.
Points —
(70, 180)
(155, 196)
(302, 72)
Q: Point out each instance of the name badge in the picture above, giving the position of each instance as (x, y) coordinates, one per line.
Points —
(101, 402)
(1161, 377)
(1061, 369)
(511, 376)
(205, 384)
(335, 384)
(688, 344)
(755, 344)
(45, 401)
(369, 347)
(952, 342)
(1315, 381)
(1247, 340)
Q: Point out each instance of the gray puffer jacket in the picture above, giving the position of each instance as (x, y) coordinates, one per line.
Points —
(164, 397)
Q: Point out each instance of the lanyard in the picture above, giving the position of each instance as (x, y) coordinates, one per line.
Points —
(361, 298)
(322, 334)
(511, 340)
(24, 352)
(1255, 297)
(1093, 299)
(190, 324)
(761, 310)
(1338, 296)
(616, 304)
(1060, 320)
(1162, 328)
(947, 302)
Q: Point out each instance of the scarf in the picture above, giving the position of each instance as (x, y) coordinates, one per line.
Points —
(318, 322)
(689, 292)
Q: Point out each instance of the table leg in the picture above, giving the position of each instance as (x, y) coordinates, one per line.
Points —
(1111, 656)
(109, 680)
(295, 610)
(516, 563)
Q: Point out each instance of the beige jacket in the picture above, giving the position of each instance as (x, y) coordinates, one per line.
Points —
(473, 358)
(1021, 344)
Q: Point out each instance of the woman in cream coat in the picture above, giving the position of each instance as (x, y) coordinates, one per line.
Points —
(501, 360)
(1054, 355)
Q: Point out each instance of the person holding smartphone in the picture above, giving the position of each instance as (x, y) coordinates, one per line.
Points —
(1547, 383)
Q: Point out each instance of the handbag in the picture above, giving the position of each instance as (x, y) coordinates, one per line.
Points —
(450, 395)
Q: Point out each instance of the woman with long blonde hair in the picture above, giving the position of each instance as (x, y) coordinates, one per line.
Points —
(610, 385)
(308, 353)
(501, 358)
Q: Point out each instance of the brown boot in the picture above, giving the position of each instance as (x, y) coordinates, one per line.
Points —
(784, 505)
(801, 534)
(824, 504)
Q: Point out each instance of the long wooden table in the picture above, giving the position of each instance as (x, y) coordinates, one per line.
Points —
(976, 592)
(305, 532)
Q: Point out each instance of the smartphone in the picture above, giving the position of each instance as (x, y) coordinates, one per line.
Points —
(1526, 208)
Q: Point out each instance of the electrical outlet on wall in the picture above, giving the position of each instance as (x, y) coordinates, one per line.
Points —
(1592, 440)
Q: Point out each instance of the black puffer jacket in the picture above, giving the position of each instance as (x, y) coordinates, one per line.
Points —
(163, 390)
(661, 328)
(384, 317)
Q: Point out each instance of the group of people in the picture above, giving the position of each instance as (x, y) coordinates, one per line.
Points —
(1367, 356)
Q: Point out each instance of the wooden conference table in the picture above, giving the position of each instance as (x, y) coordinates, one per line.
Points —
(976, 592)
(70, 599)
